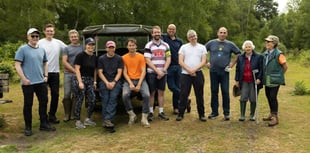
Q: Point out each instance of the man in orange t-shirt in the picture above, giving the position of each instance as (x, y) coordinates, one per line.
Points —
(134, 74)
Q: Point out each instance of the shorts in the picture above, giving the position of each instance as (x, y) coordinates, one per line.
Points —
(154, 83)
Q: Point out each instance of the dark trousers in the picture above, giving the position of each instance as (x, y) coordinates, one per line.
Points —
(173, 81)
(53, 83)
(216, 79)
(41, 92)
(186, 82)
(271, 94)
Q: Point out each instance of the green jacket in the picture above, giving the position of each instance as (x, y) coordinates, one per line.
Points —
(273, 74)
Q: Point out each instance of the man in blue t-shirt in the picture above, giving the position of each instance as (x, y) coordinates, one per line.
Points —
(31, 66)
(220, 64)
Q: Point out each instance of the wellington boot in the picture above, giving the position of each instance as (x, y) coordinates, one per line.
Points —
(132, 117)
(268, 118)
(274, 120)
(252, 111)
(67, 109)
(242, 111)
(144, 121)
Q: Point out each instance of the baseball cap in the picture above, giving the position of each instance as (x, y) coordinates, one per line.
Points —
(272, 38)
(90, 41)
(110, 44)
(32, 30)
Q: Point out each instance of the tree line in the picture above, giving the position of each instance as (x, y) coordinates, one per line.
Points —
(245, 19)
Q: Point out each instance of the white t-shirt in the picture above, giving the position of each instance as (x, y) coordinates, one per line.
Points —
(192, 55)
(53, 49)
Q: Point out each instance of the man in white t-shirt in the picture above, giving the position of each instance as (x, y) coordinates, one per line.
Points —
(53, 48)
(192, 57)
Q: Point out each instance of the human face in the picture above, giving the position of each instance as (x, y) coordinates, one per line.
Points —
(74, 38)
(90, 48)
(156, 33)
(132, 47)
(110, 50)
(49, 32)
(248, 49)
(33, 38)
(222, 34)
(269, 45)
(171, 30)
(192, 38)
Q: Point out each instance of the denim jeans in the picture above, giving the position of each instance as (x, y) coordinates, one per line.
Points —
(53, 82)
(173, 81)
(109, 100)
(144, 90)
(186, 83)
(41, 92)
(220, 78)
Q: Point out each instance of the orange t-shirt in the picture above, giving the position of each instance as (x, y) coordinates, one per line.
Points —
(134, 65)
(282, 59)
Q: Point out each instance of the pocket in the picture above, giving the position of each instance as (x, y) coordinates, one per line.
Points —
(275, 78)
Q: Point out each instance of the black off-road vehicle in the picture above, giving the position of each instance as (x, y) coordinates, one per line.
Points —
(119, 33)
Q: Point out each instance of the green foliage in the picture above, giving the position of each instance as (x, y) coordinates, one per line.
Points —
(7, 67)
(300, 88)
(8, 49)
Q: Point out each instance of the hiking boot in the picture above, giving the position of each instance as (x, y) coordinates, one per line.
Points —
(202, 119)
(132, 117)
(267, 118)
(212, 116)
(162, 116)
(144, 121)
(47, 127)
(189, 108)
(79, 125)
(108, 123)
(175, 112)
(226, 117)
(150, 117)
(274, 120)
(89, 122)
(179, 118)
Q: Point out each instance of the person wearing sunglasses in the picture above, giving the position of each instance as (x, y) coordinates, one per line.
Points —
(31, 66)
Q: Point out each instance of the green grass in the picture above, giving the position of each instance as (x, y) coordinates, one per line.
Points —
(292, 135)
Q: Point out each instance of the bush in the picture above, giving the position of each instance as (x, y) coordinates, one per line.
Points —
(300, 88)
(7, 67)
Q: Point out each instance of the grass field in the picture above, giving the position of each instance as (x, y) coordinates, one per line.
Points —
(190, 135)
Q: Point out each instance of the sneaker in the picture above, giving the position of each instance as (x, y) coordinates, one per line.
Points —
(107, 123)
(212, 116)
(150, 117)
(163, 116)
(89, 122)
(79, 125)
(226, 118)
(179, 118)
(202, 119)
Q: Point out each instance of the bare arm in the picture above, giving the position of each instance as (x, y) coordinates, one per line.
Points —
(234, 61)
(67, 65)
(78, 76)
(285, 67)
(168, 61)
(20, 72)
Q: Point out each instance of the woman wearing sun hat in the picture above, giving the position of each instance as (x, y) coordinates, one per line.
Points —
(274, 67)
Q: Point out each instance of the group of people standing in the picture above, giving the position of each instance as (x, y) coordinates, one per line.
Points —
(165, 59)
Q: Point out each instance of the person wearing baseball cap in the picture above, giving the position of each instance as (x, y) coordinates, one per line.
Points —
(31, 66)
(110, 69)
(274, 68)
(85, 83)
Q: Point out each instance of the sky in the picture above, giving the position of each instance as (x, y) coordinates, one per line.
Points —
(282, 5)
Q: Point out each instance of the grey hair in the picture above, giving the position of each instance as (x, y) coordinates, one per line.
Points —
(248, 42)
(191, 32)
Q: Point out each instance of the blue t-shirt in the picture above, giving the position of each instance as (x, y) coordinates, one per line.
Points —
(32, 60)
(220, 53)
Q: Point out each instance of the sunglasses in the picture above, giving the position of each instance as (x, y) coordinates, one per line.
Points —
(268, 41)
(34, 36)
